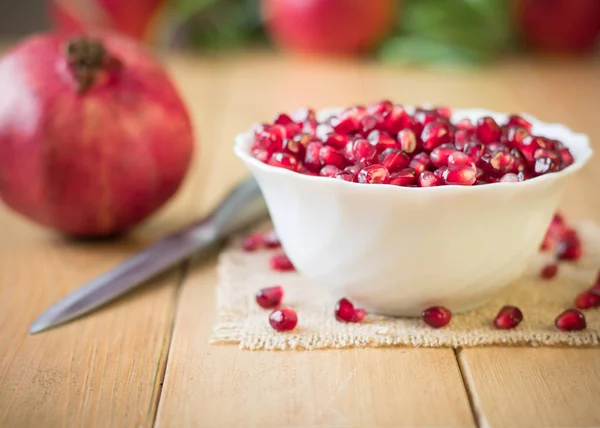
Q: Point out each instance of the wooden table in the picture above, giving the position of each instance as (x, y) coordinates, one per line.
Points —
(144, 360)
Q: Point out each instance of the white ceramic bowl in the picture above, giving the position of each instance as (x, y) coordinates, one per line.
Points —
(397, 250)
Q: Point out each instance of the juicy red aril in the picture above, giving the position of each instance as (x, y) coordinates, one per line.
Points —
(569, 246)
(566, 156)
(528, 147)
(269, 297)
(459, 158)
(346, 312)
(284, 160)
(381, 141)
(329, 171)
(354, 169)
(252, 242)
(283, 319)
(464, 124)
(295, 147)
(337, 141)
(382, 107)
(436, 316)
(429, 179)
(461, 175)
(570, 320)
(345, 125)
(262, 155)
(426, 116)
(508, 317)
(368, 124)
(515, 120)
(345, 175)
(374, 174)
(423, 158)
(462, 137)
(497, 164)
(283, 119)
(439, 155)
(474, 151)
(515, 136)
(418, 166)
(545, 165)
(439, 173)
(406, 177)
(445, 112)
(496, 147)
(364, 152)
(331, 156)
(487, 130)
(435, 134)
(280, 262)
(588, 299)
(312, 159)
(395, 120)
(549, 271)
(407, 141)
(271, 137)
(394, 160)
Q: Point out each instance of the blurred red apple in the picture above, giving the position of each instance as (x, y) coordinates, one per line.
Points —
(337, 27)
(134, 18)
(560, 26)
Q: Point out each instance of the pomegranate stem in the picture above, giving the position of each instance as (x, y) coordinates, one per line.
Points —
(87, 58)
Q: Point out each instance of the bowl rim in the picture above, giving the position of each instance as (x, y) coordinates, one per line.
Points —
(242, 143)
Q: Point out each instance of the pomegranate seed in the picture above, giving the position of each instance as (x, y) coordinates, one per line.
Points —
(349, 152)
(382, 107)
(345, 312)
(524, 175)
(262, 155)
(439, 155)
(312, 159)
(270, 239)
(426, 116)
(284, 160)
(436, 316)
(337, 141)
(515, 120)
(310, 127)
(587, 300)
(413, 124)
(407, 140)
(461, 175)
(345, 124)
(364, 152)
(374, 174)
(368, 124)
(508, 317)
(269, 297)
(345, 175)
(496, 147)
(396, 120)
(271, 138)
(459, 158)
(569, 247)
(252, 242)
(295, 147)
(516, 136)
(544, 165)
(566, 156)
(428, 179)
(435, 134)
(354, 169)
(439, 173)
(445, 112)
(463, 137)
(423, 158)
(570, 320)
(474, 151)
(381, 141)
(329, 171)
(394, 160)
(283, 319)
(487, 130)
(330, 156)
(464, 124)
(549, 271)
(280, 262)
(497, 164)
(405, 177)
(304, 115)
(418, 166)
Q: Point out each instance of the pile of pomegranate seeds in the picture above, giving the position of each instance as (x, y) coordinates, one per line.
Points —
(436, 316)
(508, 317)
(283, 319)
(346, 312)
(269, 297)
(383, 144)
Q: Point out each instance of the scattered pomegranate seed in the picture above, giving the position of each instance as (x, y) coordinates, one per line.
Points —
(436, 316)
(283, 319)
(508, 317)
(549, 271)
(252, 242)
(588, 299)
(346, 312)
(426, 141)
(270, 239)
(374, 174)
(569, 246)
(280, 262)
(269, 297)
(570, 320)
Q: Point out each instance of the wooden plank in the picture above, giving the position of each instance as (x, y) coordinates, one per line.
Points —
(222, 386)
(521, 387)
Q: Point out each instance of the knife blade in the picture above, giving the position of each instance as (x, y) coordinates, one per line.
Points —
(241, 208)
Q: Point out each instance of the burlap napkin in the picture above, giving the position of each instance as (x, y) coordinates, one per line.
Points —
(242, 321)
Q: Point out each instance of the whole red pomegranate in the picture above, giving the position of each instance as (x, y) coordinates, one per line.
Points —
(134, 18)
(559, 26)
(332, 27)
(93, 135)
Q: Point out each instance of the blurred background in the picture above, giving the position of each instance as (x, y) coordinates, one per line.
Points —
(423, 32)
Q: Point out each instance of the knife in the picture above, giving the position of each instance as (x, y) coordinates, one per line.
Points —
(242, 208)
